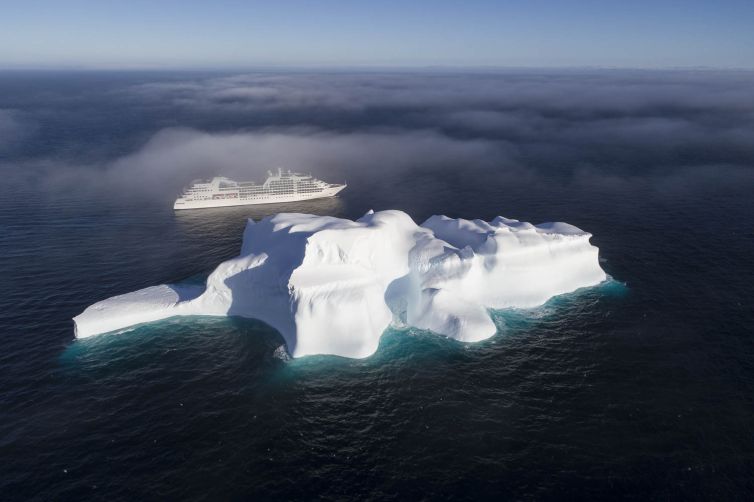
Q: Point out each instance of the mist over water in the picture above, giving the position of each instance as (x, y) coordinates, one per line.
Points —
(639, 388)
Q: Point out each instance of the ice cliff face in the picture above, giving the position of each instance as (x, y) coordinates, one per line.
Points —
(332, 286)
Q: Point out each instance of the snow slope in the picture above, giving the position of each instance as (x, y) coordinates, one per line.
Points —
(332, 286)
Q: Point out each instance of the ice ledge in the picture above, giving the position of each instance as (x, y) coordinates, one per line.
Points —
(332, 285)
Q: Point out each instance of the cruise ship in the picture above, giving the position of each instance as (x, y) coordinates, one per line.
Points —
(279, 187)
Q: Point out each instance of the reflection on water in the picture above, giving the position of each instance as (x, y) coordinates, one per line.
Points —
(223, 218)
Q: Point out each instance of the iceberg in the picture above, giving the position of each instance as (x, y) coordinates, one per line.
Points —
(332, 285)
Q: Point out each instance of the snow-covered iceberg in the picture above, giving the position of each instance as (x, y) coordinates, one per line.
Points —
(332, 285)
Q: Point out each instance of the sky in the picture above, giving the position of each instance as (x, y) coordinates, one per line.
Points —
(503, 33)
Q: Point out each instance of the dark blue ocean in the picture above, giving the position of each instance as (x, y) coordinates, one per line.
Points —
(640, 388)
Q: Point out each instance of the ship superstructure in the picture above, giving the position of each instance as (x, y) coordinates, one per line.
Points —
(279, 187)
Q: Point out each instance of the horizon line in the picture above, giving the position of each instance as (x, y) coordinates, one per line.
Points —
(365, 66)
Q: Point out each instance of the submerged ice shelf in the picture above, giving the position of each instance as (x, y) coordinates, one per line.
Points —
(332, 285)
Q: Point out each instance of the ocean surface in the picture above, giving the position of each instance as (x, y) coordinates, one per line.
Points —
(640, 388)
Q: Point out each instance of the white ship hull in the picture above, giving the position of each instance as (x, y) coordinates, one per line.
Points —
(182, 203)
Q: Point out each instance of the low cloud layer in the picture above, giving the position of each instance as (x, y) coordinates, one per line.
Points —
(601, 129)
(173, 155)
(13, 130)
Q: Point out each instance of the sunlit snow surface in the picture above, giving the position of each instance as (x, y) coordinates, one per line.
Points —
(332, 285)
